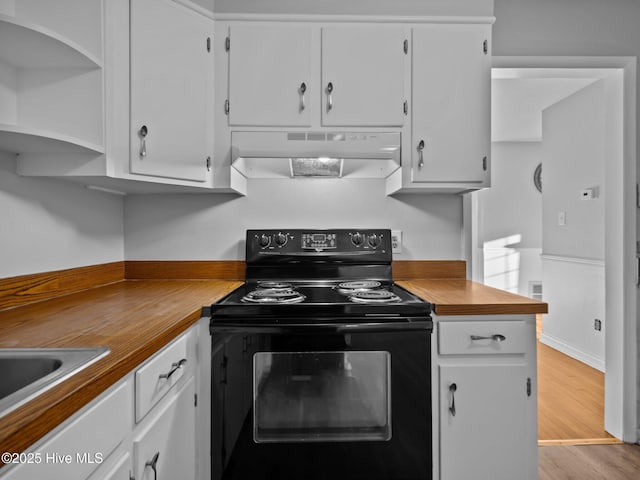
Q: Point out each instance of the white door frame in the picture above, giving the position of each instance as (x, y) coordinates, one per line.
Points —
(621, 304)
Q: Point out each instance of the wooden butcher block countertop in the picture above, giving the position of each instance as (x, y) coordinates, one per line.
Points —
(459, 296)
(133, 318)
(95, 306)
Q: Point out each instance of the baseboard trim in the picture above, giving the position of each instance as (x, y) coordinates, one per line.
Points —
(580, 441)
(572, 351)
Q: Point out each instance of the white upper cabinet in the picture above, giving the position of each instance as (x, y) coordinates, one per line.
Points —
(171, 90)
(299, 74)
(79, 89)
(363, 75)
(451, 92)
(270, 68)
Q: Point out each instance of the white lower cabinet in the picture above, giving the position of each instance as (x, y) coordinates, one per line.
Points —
(482, 421)
(79, 446)
(105, 440)
(166, 448)
(485, 418)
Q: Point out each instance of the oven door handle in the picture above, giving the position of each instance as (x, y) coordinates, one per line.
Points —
(363, 325)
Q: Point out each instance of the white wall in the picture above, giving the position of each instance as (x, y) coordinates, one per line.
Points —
(573, 266)
(574, 291)
(49, 225)
(510, 218)
(205, 227)
(574, 153)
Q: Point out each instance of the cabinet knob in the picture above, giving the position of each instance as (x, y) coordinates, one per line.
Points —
(142, 133)
(420, 154)
(329, 96)
(302, 90)
(152, 464)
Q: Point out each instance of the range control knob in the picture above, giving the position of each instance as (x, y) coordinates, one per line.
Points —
(374, 240)
(281, 239)
(264, 240)
(357, 239)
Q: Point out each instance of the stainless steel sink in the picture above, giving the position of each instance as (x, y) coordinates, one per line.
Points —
(28, 372)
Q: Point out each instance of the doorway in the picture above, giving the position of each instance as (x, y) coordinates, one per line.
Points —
(512, 253)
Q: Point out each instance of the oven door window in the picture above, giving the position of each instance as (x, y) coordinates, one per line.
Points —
(321, 396)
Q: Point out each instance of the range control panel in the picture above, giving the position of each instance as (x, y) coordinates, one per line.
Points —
(321, 241)
(339, 243)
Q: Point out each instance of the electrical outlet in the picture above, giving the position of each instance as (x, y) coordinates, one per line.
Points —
(396, 241)
(597, 324)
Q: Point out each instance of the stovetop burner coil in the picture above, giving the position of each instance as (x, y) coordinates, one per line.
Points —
(274, 295)
(359, 285)
(273, 284)
(380, 296)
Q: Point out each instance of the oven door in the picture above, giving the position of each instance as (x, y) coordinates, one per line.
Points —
(322, 402)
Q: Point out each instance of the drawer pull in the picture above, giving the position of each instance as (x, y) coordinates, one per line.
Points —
(496, 338)
(174, 368)
(452, 406)
(152, 463)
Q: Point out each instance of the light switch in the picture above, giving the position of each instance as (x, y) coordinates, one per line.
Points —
(562, 219)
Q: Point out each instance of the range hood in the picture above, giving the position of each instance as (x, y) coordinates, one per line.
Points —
(315, 154)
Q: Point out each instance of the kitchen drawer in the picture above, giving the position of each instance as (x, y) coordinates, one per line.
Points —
(158, 375)
(508, 337)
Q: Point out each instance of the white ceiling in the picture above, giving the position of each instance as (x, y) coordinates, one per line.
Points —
(517, 102)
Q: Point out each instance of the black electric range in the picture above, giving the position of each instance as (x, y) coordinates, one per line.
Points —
(321, 365)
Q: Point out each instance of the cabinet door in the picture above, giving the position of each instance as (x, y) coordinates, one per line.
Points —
(451, 100)
(363, 75)
(168, 443)
(79, 447)
(171, 90)
(270, 75)
(487, 436)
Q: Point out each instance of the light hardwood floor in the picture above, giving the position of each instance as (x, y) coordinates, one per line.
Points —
(589, 462)
(570, 400)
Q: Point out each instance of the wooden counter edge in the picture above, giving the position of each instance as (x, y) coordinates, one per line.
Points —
(27, 424)
(467, 304)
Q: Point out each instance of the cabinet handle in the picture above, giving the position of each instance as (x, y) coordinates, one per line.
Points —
(329, 96)
(302, 90)
(452, 406)
(496, 338)
(174, 368)
(152, 463)
(420, 154)
(142, 133)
